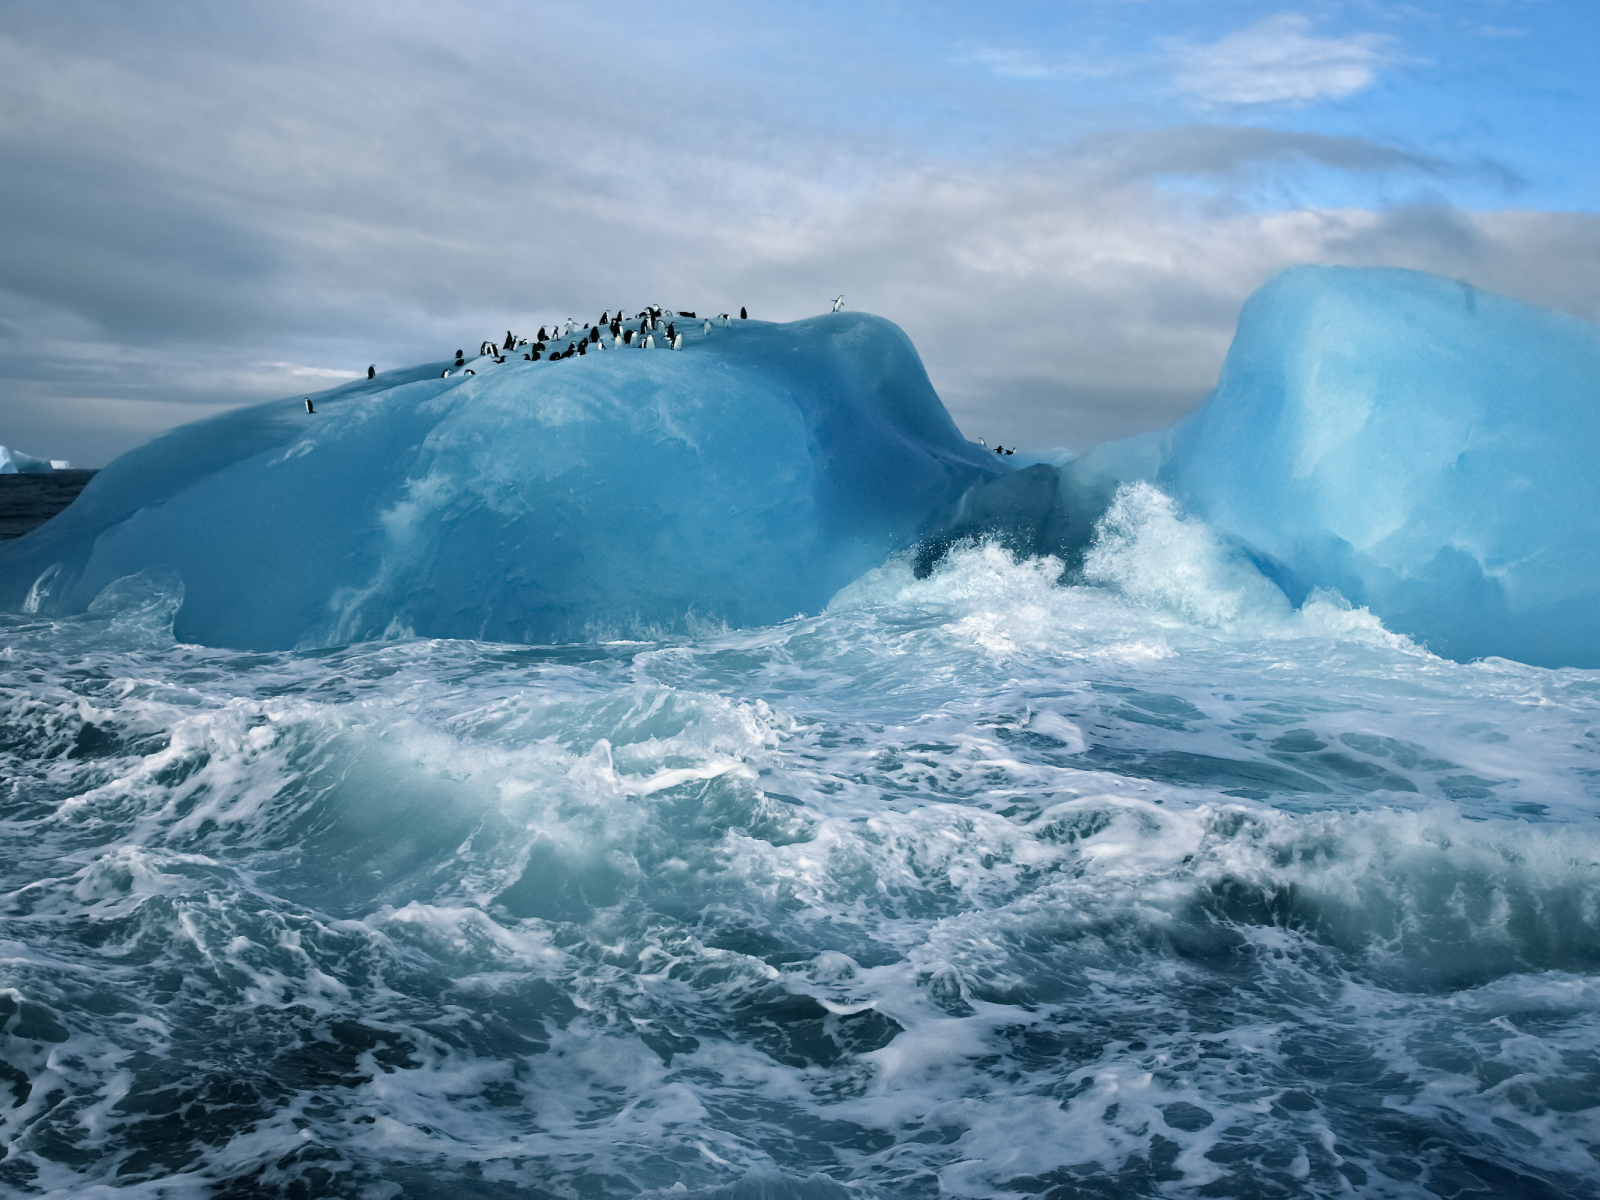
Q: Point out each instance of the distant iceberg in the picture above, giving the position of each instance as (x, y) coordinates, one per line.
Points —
(15, 462)
(621, 494)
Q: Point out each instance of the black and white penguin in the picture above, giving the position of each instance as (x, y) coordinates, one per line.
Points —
(445, 374)
(459, 359)
(372, 371)
(686, 314)
(627, 337)
(743, 315)
(527, 358)
(999, 450)
(1012, 451)
(541, 336)
(583, 346)
(469, 371)
(671, 331)
(510, 343)
(676, 341)
(838, 303)
(533, 356)
(309, 409)
(594, 333)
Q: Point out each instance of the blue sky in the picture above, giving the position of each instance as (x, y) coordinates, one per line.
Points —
(1064, 205)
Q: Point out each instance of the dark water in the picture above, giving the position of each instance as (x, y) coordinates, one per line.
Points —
(28, 501)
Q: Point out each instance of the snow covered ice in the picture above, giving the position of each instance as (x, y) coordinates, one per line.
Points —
(1150, 866)
(15, 462)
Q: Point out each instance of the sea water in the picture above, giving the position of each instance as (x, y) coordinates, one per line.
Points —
(978, 884)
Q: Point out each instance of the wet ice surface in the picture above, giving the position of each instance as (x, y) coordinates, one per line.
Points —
(975, 885)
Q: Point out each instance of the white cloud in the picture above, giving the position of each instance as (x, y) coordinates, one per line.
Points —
(1278, 61)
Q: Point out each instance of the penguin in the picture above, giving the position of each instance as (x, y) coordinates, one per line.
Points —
(540, 338)
(445, 374)
(594, 333)
(527, 358)
(511, 342)
(583, 345)
(999, 450)
(605, 317)
(708, 325)
(983, 443)
(676, 341)
(309, 409)
(627, 337)
(671, 331)
(372, 371)
(500, 359)
(533, 356)
(1011, 451)
(469, 371)
(649, 342)
(838, 303)
(459, 359)
(690, 315)
(743, 315)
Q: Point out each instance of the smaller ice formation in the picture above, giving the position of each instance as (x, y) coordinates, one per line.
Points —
(1425, 448)
(15, 462)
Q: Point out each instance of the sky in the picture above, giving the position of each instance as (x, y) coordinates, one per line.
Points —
(1063, 204)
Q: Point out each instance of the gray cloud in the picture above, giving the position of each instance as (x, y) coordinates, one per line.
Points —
(202, 208)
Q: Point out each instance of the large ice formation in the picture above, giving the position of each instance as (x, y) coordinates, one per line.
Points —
(15, 462)
(740, 481)
(1423, 447)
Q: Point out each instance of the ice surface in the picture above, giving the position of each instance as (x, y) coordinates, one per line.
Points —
(15, 462)
(1424, 448)
(741, 481)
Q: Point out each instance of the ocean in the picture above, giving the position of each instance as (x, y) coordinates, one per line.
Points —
(991, 883)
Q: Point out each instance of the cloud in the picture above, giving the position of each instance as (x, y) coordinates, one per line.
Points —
(1277, 61)
(192, 230)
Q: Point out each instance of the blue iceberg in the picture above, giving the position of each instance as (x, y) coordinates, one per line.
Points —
(622, 493)
(1426, 448)
(1422, 447)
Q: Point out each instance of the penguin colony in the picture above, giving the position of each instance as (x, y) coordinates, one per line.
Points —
(647, 329)
(611, 331)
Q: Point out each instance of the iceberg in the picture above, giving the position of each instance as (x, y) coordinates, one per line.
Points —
(1418, 445)
(15, 462)
(624, 493)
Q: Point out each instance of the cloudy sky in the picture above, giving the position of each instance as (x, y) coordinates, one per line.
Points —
(1064, 204)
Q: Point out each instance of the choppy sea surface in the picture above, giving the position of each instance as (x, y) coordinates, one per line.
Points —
(976, 885)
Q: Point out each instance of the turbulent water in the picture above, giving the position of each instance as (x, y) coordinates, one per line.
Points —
(981, 884)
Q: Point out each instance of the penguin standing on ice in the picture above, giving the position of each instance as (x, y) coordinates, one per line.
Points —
(838, 303)
(671, 331)
(459, 359)
(309, 408)
(743, 316)
(511, 342)
(372, 370)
